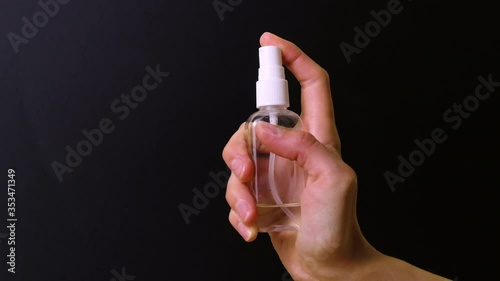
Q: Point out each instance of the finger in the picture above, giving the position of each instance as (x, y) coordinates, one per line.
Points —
(243, 210)
(301, 146)
(249, 233)
(235, 154)
(240, 199)
(317, 105)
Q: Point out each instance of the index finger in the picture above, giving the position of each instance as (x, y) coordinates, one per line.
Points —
(317, 105)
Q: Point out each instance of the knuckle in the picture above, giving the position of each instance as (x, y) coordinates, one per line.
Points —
(349, 179)
(232, 145)
(229, 198)
(232, 217)
(325, 74)
(306, 139)
(229, 194)
(226, 154)
(343, 177)
(303, 146)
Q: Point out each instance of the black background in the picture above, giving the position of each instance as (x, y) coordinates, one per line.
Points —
(119, 207)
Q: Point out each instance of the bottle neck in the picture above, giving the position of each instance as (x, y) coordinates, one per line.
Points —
(273, 108)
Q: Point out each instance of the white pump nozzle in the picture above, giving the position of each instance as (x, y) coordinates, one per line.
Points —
(272, 87)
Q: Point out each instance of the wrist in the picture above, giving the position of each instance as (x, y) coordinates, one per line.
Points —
(351, 262)
(374, 267)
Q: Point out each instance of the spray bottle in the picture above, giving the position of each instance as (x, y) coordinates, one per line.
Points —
(278, 182)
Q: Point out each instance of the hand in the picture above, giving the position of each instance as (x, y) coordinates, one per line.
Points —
(329, 228)
(329, 244)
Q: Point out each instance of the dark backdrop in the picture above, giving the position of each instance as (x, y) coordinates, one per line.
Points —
(117, 211)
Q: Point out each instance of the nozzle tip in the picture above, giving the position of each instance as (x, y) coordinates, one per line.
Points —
(270, 56)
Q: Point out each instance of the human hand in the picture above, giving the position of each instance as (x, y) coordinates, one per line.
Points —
(329, 244)
(328, 230)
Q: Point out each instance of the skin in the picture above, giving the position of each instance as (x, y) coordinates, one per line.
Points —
(329, 244)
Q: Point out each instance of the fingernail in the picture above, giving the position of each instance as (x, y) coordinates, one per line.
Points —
(244, 231)
(268, 129)
(267, 33)
(238, 167)
(243, 210)
(270, 34)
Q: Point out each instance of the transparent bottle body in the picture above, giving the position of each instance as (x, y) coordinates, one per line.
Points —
(278, 182)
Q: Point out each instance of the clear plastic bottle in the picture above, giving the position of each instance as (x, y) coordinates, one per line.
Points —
(278, 182)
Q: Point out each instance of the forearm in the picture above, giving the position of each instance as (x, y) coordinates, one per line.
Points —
(372, 266)
(385, 268)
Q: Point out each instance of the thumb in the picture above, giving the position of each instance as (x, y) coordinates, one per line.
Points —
(310, 154)
(328, 202)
